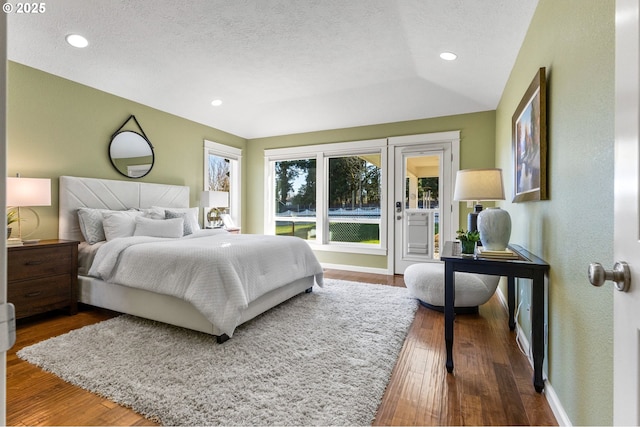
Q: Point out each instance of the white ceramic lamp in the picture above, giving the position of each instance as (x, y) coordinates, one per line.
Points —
(494, 224)
(26, 192)
(214, 200)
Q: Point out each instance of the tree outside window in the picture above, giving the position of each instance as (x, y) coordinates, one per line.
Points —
(219, 173)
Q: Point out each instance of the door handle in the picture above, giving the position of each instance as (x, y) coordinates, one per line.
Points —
(620, 275)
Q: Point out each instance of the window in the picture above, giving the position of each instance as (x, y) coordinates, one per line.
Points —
(219, 173)
(222, 173)
(354, 199)
(295, 198)
(329, 195)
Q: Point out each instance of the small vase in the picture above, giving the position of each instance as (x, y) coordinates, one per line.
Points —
(8, 232)
(468, 247)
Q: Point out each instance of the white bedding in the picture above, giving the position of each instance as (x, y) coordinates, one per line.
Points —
(218, 272)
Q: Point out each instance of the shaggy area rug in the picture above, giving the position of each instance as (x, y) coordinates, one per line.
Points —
(322, 358)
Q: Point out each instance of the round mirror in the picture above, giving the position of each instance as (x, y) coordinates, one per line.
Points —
(131, 154)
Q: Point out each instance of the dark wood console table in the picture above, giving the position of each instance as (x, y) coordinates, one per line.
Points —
(526, 266)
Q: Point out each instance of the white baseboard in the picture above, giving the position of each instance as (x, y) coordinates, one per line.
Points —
(556, 406)
(552, 398)
(355, 268)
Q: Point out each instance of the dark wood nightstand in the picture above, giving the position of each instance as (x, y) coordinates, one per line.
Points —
(43, 277)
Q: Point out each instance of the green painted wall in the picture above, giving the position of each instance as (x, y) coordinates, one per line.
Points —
(59, 127)
(574, 40)
(477, 150)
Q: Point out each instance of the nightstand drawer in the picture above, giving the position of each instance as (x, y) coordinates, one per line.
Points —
(38, 262)
(39, 295)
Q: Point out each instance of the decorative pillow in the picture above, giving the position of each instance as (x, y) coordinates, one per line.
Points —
(91, 224)
(191, 217)
(158, 227)
(153, 213)
(119, 224)
(187, 225)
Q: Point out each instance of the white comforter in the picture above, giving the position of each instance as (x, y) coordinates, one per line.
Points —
(218, 272)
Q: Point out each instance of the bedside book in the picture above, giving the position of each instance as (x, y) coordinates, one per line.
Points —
(505, 254)
(14, 241)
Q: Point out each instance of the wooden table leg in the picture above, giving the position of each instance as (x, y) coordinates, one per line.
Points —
(537, 329)
(449, 312)
(511, 301)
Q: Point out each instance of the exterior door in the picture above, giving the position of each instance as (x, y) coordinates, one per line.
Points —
(422, 202)
(626, 305)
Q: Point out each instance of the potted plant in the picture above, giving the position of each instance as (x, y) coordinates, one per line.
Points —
(468, 240)
(12, 216)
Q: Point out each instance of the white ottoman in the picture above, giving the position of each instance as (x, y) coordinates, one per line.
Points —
(426, 283)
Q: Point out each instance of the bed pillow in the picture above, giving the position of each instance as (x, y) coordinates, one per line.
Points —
(187, 226)
(191, 217)
(153, 213)
(119, 223)
(90, 220)
(158, 227)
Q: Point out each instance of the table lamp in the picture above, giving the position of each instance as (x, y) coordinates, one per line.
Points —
(27, 192)
(493, 224)
(216, 200)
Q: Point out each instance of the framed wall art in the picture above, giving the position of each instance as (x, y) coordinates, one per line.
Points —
(529, 136)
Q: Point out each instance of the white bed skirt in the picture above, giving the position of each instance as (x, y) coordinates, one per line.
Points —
(172, 310)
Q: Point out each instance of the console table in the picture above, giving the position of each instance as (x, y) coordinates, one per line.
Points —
(527, 266)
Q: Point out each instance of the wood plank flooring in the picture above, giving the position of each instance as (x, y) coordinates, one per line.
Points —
(491, 384)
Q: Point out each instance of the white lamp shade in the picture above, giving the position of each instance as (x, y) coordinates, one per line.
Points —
(28, 191)
(214, 199)
(479, 184)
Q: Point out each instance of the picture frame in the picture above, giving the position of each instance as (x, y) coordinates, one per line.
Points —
(529, 142)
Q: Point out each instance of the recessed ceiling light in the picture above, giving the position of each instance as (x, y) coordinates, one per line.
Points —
(216, 102)
(448, 56)
(76, 40)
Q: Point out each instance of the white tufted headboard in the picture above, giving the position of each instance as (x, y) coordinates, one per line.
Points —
(76, 192)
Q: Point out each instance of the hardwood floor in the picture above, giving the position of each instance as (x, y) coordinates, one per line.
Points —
(491, 385)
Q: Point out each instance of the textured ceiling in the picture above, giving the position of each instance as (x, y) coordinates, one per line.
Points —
(283, 66)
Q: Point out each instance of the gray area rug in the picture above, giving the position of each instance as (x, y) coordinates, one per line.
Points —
(323, 358)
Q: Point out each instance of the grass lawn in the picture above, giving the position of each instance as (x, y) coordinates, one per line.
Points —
(302, 229)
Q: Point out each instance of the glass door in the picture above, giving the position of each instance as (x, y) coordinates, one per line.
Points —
(421, 186)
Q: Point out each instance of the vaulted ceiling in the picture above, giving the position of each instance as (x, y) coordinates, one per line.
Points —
(282, 66)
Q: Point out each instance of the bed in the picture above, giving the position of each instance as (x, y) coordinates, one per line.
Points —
(112, 286)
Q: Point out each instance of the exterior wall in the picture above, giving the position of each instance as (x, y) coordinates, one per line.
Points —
(574, 40)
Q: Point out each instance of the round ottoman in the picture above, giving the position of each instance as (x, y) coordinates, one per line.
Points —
(426, 283)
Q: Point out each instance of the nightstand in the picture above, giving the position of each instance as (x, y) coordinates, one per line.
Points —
(43, 277)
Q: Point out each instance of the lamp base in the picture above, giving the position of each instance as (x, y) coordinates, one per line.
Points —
(472, 218)
(494, 225)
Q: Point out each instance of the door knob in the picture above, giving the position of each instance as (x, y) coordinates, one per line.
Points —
(620, 274)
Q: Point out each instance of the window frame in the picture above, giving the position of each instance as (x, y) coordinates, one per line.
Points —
(322, 154)
(235, 195)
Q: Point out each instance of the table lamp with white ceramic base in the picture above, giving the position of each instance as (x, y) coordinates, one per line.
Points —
(27, 192)
(493, 224)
